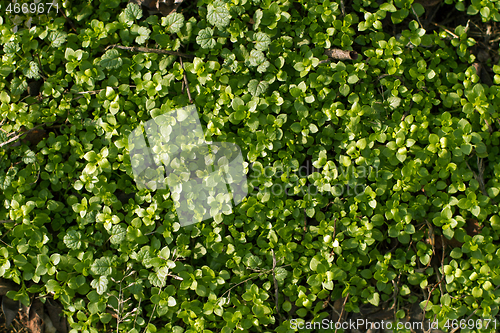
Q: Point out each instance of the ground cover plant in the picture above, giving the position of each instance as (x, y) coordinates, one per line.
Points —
(374, 178)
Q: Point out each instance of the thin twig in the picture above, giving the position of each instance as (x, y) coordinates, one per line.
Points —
(341, 313)
(250, 278)
(480, 177)
(396, 76)
(418, 19)
(44, 76)
(431, 237)
(67, 19)
(442, 259)
(333, 237)
(148, 50)
(20, 135)
(305, 221)
(186, 83)
(6, 244)
(448, 31)
(276, 292)
(429, 297)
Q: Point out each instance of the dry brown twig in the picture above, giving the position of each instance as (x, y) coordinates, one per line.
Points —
(185, 81)
(429, 297)
(148, 50)
(67, 19)
(448, 31)
(20, 135)
(341, 313)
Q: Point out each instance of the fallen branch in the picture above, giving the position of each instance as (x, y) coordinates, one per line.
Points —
(148, 50)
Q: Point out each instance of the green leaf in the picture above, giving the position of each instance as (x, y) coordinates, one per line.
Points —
(252, 261)
(118, 234)
(239, 115)
(281, 274)
(255, 58)
(90, 156)
(205, 38)
(475, 210)
(101, 284)
(353, 78)
(388, 7)
(262, 41)
(5, 70)
(345, 89)
(495, 222)
(111, 59)
(419, 9)
(310, 212)
(374, 298)
(296, 127)
(73, 239)
(201, 290)
(237, 103)
(456, 253)
(143, 35)
(173, 22)
(32, 71)
(157, 280)
(256, 88)
(313, 265)
(394, 102)
(11, 48)
(29, 157)
(102, 266)
(57, 38)
(18, 86)
(218, 14)
(132, 12)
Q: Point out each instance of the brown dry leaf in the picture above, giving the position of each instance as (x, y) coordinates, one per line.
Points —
(55, 314)
(145, 3)
(10, 308)
(165, 7)
(31, 316)
(169, 6)
(473, 228)
(35, 136)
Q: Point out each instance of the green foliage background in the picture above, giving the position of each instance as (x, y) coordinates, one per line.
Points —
(409, 119)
